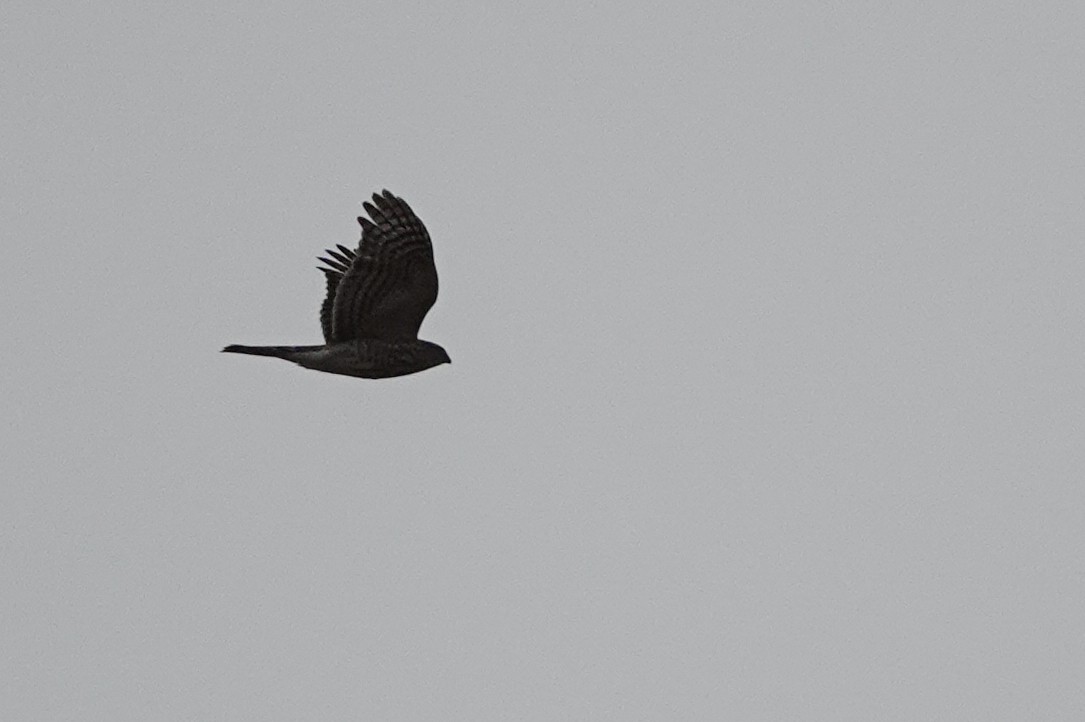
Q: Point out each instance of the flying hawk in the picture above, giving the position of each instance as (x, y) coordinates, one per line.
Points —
(376, 300)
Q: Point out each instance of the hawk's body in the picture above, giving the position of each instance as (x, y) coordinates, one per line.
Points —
(376, 299)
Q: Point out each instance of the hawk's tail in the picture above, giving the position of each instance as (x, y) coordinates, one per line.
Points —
(286, 352)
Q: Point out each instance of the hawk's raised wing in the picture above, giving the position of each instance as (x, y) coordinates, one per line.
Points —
(390, 283)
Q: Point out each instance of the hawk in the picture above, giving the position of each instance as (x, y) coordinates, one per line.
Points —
(376, 299)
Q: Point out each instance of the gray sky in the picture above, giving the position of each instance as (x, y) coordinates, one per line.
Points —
(766, 393)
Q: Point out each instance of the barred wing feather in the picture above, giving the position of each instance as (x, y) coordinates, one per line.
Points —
(390, 283)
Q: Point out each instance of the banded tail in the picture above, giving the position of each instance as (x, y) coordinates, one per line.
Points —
(285, 352)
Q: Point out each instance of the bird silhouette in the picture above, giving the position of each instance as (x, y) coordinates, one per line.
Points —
(376, 299)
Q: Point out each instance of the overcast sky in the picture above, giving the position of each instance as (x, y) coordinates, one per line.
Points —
(766, 393)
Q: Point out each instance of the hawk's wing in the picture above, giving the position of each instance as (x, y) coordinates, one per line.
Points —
(391, 282)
